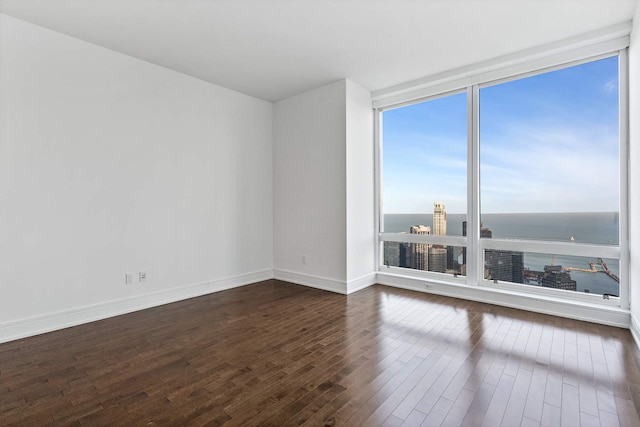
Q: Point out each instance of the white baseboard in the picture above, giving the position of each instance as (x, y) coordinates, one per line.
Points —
(355, 285)
(324, 283)
(605, 315)
(318, 282)
(50, 322)
(635, 330)
(64, 319)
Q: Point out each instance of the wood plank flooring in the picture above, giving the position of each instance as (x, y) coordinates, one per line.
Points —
(277, 354)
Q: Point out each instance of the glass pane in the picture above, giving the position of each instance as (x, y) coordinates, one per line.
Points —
(579, 227)
(424, 165)
(549, 155)
(572, 273)
(421, 256)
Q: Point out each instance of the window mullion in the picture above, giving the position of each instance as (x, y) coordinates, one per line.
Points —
(378, 193)
(474, 259)
(623, 90)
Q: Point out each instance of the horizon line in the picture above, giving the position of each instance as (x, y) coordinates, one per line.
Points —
(505, 213)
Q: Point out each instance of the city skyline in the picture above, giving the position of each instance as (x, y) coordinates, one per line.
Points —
(425, 256)
(499, 265)
(549, 143)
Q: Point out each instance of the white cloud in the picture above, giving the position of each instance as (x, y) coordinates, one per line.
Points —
(611, 86)
(555, 169)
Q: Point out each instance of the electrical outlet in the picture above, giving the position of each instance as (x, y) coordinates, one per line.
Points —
(304, 259)
(128, 279)
(142, 276)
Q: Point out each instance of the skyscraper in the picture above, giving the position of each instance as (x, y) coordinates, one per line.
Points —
(391, 254)
(464, 249)
(420, 251)
(405, 255)
(505, 266)
(438, 258)
(501, 265)
(397, 254)
(555, 277)
(439, 219)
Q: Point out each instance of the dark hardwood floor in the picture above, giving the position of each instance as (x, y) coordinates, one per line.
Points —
(278, 354)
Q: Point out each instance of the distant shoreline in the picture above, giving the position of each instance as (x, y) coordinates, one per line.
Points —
(512, 213)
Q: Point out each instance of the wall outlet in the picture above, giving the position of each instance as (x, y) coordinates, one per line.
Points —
(304, 259)
(142, 276)
(128, 279)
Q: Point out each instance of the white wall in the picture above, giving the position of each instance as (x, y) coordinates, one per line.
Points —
(109, 164)
(634, 173)
(323, 188)
(309, 194)
(360, 210)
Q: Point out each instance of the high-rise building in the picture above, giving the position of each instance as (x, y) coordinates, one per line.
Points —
(438, 253)
(439, 219)
(391, 254)
(464, 250)
(405, 255)
(397, 254)
(507, 266)
(555, 277)
(420, 251)
(438, 258)
(452, 259)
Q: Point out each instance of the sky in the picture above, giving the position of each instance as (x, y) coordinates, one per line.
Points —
(548, 143)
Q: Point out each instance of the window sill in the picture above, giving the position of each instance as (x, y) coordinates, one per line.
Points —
(602, 312)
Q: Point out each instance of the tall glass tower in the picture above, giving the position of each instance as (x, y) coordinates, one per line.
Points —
(420, 251)
(439, 219)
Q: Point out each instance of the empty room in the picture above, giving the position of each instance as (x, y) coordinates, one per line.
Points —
(319, 213)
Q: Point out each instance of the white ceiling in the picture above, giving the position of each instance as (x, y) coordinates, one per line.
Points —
(272, 49)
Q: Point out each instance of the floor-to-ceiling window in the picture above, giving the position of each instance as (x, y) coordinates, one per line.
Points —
(425, 184)
(517, 183)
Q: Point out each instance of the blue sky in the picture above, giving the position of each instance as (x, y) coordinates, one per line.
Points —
(548, 143)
